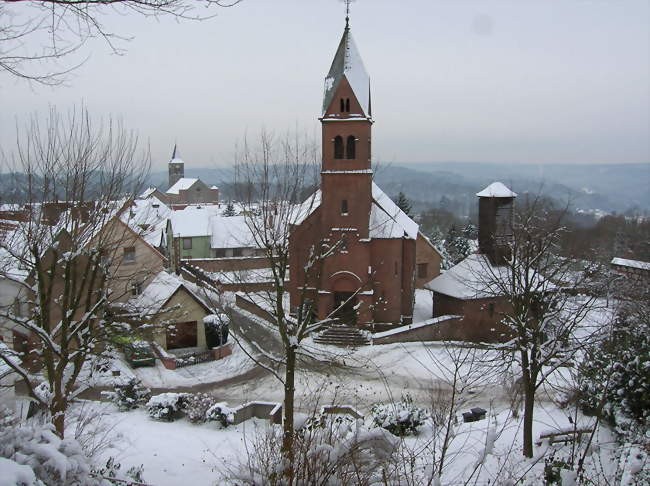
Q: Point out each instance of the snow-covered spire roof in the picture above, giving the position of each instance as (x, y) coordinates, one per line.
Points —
(496, 189)
(176, 157)
(347, 62)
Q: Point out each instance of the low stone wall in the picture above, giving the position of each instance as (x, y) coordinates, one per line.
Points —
(230, 264)
(246, 286)
(171, 362)
(341, 410)
(248, 305)
(262, 410)
(443, 328)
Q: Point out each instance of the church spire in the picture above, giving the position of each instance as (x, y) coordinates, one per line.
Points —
(348, 64)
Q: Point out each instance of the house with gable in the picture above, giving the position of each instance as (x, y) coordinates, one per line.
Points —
(175, 309)
(371, 277)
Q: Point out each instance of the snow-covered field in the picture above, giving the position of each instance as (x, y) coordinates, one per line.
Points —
(176, 453)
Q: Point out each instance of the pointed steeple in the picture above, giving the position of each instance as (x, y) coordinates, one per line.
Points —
(176, 167)
(176, 156)
(347, 63)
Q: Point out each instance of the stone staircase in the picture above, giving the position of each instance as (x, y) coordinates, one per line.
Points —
(342, 336)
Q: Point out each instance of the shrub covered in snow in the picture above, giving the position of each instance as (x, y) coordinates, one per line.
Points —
(327, 450)
(35, 455)
(129, 394)
(216, 329)
(220, 413)
(196, 407)
(166, 406)
(399, 418)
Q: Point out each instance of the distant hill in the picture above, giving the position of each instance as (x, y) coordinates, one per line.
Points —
(613, 187)
(608, 188)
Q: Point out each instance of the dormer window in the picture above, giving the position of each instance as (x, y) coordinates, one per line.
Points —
(338, 147)
(351, 147)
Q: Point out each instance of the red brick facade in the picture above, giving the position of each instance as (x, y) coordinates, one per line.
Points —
(379, 269)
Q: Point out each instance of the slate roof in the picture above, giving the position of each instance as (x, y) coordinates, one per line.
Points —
(347, 63)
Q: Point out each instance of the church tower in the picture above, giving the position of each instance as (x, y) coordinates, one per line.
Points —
(176, 167)
(368, 280)
(346, 175)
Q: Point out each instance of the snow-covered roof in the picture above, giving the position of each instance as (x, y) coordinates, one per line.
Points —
(624, 262)
(387, 220)
(496, 189)
(476, 278)
(347, 63)
(214, 187)
(472, 278)
(390, 221)
(193, 220)
(147, 217)
(304, 210)
(231, 232)
(161, 288)
(148, 192)
(182, 184)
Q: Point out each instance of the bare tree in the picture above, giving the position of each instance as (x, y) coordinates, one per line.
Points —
(37, 35)
(547, 299)
(271, 177)
(64, 251)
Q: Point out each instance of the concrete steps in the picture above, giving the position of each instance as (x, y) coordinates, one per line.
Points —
(342, 336)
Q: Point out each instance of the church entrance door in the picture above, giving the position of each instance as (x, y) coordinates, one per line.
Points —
(345, 303)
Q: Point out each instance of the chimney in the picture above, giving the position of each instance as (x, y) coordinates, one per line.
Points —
(495, 218)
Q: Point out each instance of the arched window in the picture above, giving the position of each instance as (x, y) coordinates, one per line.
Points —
(342, 105)
(338, 147)
(347, 105)
(351, 148)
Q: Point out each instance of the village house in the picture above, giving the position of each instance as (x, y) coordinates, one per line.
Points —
(174, 309)
(201, 233)
(370, 279)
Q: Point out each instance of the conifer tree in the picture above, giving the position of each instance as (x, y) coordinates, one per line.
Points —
(403, 203)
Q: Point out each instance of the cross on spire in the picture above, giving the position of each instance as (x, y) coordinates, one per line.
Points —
(347, 12)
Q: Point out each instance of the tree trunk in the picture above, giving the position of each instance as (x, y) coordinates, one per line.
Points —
(287, 423)
(529, 408)
(57, 410)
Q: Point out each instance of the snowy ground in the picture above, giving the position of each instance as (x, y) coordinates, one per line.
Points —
(183, 453)
(212, 371)
(173, 453)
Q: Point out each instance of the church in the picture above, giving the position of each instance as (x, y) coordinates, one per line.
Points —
(183, 191)
(378, 252)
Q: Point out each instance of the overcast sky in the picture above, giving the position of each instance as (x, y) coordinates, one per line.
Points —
(550, 81)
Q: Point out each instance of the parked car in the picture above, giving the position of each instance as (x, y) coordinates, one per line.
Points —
(139, 353)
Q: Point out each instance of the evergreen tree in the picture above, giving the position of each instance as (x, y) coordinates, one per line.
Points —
(403, 203)
(230, 210)
(456, 246)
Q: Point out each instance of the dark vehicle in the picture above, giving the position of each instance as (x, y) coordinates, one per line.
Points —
(139, 354)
